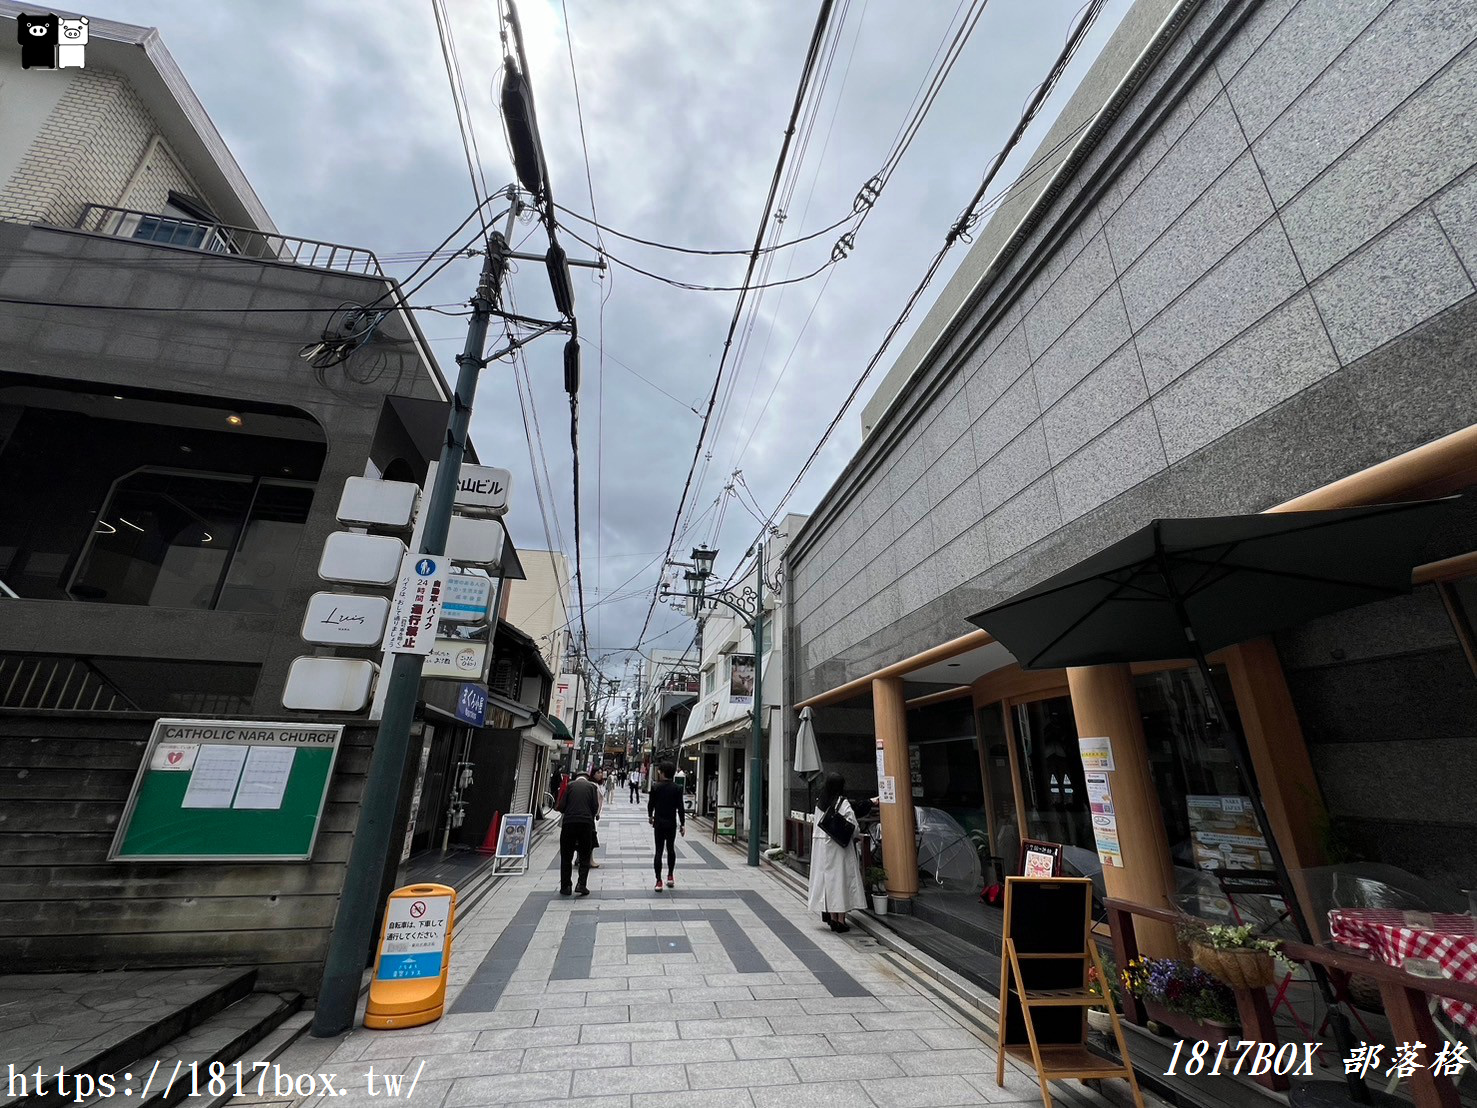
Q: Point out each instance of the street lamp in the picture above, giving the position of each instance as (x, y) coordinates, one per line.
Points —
(748, 605)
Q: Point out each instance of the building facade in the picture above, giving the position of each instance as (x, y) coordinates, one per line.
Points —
(720, 721)
(1246, 284)
(170, 468)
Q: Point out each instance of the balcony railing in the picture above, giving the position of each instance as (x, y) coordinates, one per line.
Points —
(58, 684)
(217, 238)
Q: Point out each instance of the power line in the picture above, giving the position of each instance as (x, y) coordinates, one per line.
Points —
(959, 229)
(698, 250)
(693, 286)
(822, 19)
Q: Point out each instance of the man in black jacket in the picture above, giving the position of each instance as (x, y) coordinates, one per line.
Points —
(580, 805)
(664, 810)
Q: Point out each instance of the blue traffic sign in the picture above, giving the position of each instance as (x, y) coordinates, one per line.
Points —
(471, 705)
(426, 567)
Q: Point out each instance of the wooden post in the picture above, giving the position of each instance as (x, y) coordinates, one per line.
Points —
(1279, 754)
(1410, 1022)
(1125, 950)
(899, 842)
(1105, 704)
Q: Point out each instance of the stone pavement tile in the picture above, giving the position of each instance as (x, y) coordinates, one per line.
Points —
(840, 1067)
(956, 1038)
(597, 1013)
(516, 1038)
(803, 1024)
(636, 997)
(732, 1098)
(399, 1045)
(723, 1029)
(824, 1005)
(512, 1088)
(428, 1094)
(681, 1010)
(483, 1021)
(749, 980)
(474, 1063)
(934, 1063)
(748, 1074)
(783, 1046)
(534, 1001)
(628, 1032)
(587, 1056)
(768, 1008)
(582, 1102)
(651, 969)
(817, 1094)
(814, 990)
(674, 1052)
(909, 1002)
(697, 993)
(797, 977)
(903, 1021)
(629, 1079)
(921, 1092)
(875, 1042)
(1018, 1086)
(591, 985)
(350, 1050)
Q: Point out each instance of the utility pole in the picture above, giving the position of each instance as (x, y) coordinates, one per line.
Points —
(350, 940)
(756, 735)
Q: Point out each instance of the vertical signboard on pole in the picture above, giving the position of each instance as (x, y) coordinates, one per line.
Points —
(415, 606)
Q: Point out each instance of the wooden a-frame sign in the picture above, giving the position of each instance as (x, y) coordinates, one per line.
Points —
(1048, 950)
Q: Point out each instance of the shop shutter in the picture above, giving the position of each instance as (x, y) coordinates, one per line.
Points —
(523, 786)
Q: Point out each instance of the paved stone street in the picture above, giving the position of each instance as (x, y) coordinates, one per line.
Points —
(723, 990)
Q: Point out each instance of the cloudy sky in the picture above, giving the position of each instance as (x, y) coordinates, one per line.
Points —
(341, 116)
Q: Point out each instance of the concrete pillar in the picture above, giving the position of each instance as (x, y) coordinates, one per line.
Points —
(1104, 703)
(899, 836)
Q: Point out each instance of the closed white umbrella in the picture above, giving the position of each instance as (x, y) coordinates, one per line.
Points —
(807, 755)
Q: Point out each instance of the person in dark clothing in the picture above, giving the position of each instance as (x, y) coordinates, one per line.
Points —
(665, 812)
(580, 805)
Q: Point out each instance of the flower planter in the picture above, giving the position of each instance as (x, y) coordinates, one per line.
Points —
(879, 904)
(1241, 969)
(1099, 1020)
(1188, 1027)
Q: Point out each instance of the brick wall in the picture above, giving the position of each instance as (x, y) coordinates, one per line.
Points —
(94, 142)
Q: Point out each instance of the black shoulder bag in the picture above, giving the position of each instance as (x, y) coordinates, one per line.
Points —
(837, 827)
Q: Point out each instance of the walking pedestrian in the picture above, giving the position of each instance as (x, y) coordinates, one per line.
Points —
(835, 869)
(580, 803)
(607, 783)
(665, 813)
(602, 792)
(635, 784)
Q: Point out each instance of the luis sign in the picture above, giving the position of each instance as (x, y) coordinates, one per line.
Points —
(483, 489)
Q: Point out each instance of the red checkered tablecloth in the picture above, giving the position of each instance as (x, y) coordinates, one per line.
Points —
(1393, 936)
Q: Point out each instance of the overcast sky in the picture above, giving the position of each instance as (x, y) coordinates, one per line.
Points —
(341, 116)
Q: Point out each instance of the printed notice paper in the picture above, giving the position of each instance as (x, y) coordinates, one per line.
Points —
(213, 780)
(264, 780)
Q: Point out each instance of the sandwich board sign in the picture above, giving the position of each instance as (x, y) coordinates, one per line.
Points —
(228, 790)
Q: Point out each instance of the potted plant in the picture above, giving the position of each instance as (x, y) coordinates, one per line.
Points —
(1182, 996)
(1106, 987)
(877, 886)
(1235, 955)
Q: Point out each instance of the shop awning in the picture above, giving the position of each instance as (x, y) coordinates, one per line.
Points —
(731, 729)
(561, 732)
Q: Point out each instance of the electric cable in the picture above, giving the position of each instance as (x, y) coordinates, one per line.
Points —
(959, 229)
(817, 35)
(697, 250)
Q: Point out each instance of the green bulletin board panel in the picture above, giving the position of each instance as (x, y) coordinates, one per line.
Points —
(219, 790)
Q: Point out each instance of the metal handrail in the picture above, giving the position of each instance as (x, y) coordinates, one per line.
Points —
(219, 238)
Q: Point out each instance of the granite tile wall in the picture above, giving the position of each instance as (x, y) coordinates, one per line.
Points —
(1260, 298)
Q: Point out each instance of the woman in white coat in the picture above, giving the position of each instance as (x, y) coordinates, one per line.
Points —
(835, 870)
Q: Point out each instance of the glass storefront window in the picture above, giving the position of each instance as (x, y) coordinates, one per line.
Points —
(1052, 777)
(1005, 837)
(1207, 814)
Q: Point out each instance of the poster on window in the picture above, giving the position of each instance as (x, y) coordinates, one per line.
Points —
(741, 680)
(1224, 834)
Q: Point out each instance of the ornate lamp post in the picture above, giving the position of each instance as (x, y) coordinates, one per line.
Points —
(748, 604)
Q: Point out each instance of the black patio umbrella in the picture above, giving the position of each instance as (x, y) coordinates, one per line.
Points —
(1180, 588)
